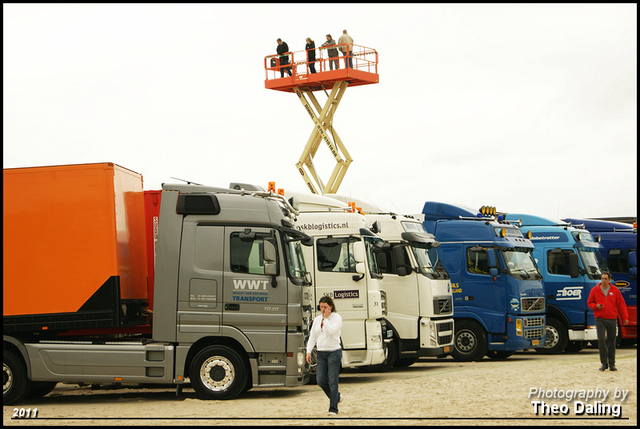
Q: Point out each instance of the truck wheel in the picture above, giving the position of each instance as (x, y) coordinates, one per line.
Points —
(15, 383)
(218, 372)
(556, 337)
(470, 342)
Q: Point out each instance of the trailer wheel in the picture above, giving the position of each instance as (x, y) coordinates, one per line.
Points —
(15, 383)
(218, 372)
(470, 342)
(556, 338)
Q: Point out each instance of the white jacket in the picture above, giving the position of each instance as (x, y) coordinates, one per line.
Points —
(325, 333)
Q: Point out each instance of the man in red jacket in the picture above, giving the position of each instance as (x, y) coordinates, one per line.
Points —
(606, 302)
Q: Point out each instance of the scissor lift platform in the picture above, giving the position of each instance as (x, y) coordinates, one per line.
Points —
(364, 71)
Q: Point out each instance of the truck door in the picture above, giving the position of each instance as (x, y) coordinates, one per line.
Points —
(335, 272)
(483, 294)
(200, 281)
(564, 286)
(255, 287)
(404, 309)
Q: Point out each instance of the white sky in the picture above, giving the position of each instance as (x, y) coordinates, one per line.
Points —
(531, 108)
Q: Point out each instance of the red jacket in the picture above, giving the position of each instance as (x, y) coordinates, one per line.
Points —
(613, 303)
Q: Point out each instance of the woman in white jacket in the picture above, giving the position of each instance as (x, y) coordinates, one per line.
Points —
(325, 333)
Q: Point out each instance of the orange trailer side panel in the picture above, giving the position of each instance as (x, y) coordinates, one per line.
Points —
(67, 230)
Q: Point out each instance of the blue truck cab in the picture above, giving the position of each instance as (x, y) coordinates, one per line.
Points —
(498, 294)
(571, 264)
(619, 246)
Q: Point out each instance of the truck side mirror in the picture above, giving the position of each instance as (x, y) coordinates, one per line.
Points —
(358, 251)
(360, 268)
(493, 272)
(270, 258)
(491, 258)
(574, 268)
(402, 268)
(633, 261)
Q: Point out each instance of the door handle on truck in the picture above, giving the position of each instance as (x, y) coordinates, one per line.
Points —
(234, 307)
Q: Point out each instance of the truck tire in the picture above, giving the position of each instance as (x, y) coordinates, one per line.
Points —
(218, 372)
(15, 383)
(556, 337)
(470, 342)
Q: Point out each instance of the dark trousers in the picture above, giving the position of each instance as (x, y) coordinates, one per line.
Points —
(606, 330)
(284, 61)
(347, 60)
(327, 374)
(312, 67)
(333, 61)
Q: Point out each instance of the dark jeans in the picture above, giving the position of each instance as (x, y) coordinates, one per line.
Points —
(606, 329)
(349, 63)
(312, 67)
(284, 62)
(327, 373)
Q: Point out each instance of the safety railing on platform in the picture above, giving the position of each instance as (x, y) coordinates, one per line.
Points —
(296, 64)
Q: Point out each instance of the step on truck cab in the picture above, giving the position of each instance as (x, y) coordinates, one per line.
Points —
(571, 264)
(498, 295)
(417, 286)
(619, 246)
(231, 305)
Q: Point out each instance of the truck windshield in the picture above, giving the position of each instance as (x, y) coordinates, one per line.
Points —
(520, 264)
(370, 243)
(428, 262)
(296, 268)
(593, 261)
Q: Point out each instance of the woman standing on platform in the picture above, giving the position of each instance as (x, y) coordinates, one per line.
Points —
(310, 47)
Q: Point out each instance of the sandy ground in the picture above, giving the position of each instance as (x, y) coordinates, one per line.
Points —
(430, 392)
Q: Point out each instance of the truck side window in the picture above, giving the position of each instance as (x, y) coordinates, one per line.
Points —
(386, 263)
(619, 262)
(477, 261)
(558, 263)
(336, 255)
(246, 255)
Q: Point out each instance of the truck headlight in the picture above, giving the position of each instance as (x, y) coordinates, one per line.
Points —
(519, 327)
(301, 358)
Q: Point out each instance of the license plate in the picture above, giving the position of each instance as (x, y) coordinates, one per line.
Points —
(535, 342)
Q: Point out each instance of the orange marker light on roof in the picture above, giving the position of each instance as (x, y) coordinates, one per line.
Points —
(272, 187)
(281, 192)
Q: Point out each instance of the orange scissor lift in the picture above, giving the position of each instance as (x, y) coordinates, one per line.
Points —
(304, 84)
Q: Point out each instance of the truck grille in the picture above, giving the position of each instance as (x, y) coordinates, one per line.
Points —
(534, 333)
(445, 327)
(533, 321)
(442, 305)
(532, 304)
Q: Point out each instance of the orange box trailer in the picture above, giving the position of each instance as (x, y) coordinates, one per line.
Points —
(73, 248)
